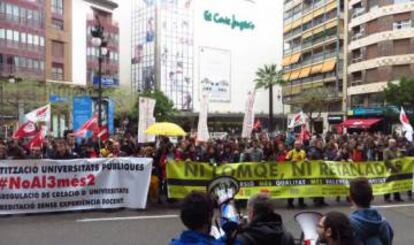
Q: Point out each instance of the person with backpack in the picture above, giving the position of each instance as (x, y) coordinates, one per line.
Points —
(369, 226)
(265, 226)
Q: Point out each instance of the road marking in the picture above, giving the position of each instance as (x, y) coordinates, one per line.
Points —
(395, 206)
(169, 216)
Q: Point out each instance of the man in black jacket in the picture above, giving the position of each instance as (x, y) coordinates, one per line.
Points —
(265, 226)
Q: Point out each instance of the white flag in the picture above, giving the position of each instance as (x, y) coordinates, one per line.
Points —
(407, 128)
(41, 114)
(298, 120)
(248, 120)
(146, 119)
(202, 129)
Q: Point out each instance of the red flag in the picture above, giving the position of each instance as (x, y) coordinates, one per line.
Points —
(101, 133)
(257, 124)
(27, 129)
(89, 125)
(37, 140)
(304, 133)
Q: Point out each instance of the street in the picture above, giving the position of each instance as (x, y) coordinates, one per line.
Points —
(157, 225)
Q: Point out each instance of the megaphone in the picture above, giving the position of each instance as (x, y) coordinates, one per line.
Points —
(308, 222)
(224, 189)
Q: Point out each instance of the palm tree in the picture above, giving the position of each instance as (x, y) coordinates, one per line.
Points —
(266, 78)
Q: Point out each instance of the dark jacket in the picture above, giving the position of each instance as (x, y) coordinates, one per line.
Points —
(370, 228)
(265, 230)
(190, 237)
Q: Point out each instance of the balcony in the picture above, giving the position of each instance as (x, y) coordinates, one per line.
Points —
(358, 12)
(357, 36)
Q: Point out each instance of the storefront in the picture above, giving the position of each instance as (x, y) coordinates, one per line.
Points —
(368, 119)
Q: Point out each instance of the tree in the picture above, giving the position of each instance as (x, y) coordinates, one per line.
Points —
(164, 108)
(266, 78)
(315, 100)
(125, 102)
(400, 94)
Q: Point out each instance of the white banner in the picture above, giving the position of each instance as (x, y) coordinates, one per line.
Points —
(215, 73)
(202, 129)
(36, 186)
(248, 120)
(146, 119)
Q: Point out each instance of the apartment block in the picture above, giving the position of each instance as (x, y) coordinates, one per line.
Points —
(313, 53)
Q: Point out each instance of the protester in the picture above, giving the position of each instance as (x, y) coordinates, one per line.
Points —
(334, 228)
(296, 155)
(367, 223)
(196, 214)
(390, 153)
(265, 226)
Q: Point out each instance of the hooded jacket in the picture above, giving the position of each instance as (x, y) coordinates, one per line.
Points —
(265, 230)
(370, 228)
(191, 237)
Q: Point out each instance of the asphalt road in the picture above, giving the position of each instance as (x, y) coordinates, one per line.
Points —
(156, 225)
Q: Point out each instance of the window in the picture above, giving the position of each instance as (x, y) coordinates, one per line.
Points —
(29, 63)
(29, 38)
(57, 7)
(42, 41)
(9, 11)
(42, 65)
(36, 40)
(9, 35)
(57, 24)
(401, 1)
(36, 64)
(15, 12)
(16, 36)
(23, 37)
(357, 100)
(57, 71)
(376, 99)
(402, 24)
(2, 33)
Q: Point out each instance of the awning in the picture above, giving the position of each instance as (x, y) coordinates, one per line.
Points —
(331, 24)
(316, 68)
(304, 72)
(286, 76)
(328, 66)
(294, 75)
(295, 58)
(286, 61)
(360, 123)
(330, 6)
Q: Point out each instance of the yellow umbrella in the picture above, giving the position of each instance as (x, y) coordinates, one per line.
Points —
(166, 129)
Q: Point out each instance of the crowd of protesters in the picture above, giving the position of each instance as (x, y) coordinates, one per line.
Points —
(355, 147)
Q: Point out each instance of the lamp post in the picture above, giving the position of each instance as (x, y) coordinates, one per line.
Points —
(98, 40)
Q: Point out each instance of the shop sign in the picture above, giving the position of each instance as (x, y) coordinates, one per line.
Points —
(231, 21)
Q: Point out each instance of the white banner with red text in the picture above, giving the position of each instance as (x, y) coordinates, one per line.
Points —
(36, 186)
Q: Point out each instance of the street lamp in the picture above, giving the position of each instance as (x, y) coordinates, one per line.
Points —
(98, 40)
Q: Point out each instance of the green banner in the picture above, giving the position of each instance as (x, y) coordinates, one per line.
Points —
(291, 180)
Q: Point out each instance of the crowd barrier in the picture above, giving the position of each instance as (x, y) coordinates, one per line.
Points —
(292, 180)
(35, 186)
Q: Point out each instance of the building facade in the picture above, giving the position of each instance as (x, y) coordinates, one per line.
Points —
(163, 42)
(313, 54)
(22, 39)
(37, 41)
(380, 49)
(187, 48)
